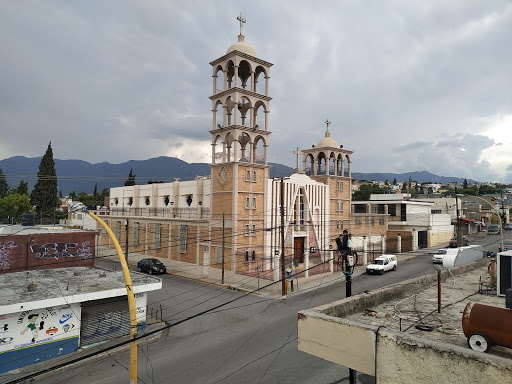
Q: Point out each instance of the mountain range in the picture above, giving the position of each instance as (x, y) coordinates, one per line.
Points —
(81, 176)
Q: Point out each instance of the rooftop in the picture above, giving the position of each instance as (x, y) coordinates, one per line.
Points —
(51, 287)
(6, 230)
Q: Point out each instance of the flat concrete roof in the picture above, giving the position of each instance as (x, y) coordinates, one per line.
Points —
(421, 309)
(6, 230)
(43, 288)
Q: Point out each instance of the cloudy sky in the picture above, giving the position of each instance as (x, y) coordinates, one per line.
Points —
(408, 85)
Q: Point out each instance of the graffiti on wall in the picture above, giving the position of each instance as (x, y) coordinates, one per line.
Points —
(60, 249)
(5, 253)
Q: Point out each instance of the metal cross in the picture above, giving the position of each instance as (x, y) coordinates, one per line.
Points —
(327, 122)
(242, 21)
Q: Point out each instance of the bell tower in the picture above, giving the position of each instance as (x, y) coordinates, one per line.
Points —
(240, 139)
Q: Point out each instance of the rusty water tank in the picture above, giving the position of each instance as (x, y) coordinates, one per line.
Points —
(485, 325)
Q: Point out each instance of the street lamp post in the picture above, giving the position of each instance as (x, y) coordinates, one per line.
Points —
(80, 207)
(460, 242)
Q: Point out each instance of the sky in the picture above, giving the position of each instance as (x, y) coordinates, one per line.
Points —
(408, 85)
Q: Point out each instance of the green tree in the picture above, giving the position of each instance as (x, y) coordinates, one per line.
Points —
(394, 181)
(131, 179)
(95, 193)
(4, 187)
(21, 189)
(44, 194)
(72, 195)
(465, 185)
(13, 206)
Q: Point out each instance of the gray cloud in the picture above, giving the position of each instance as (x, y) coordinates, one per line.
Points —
(406, 84)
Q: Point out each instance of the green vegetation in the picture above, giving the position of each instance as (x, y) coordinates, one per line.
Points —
(12, 207)
(131, 179)
(4, 187)
(44, 194)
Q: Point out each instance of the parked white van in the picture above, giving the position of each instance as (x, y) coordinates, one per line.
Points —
(382, 263)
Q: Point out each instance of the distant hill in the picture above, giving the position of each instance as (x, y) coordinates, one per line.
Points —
(420, 176)
(81, 176)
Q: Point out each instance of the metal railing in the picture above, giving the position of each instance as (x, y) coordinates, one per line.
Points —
(168, 213)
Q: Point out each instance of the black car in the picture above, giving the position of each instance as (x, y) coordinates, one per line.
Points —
(151, 266)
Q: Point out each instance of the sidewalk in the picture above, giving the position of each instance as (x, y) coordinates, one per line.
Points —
(249, 283)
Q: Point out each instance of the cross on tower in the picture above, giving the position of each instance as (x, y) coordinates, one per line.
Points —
(327, 122)
(242, 21)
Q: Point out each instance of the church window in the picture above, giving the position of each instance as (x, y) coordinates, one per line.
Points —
(254, 178)
(247, 175)
(381, 221)
(247, 203)
(157, 236)
(183, 238)
(339, 206)
(253, 203)
(358, 221)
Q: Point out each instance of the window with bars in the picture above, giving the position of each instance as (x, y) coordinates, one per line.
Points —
(254, 178)
(358, 221)
(247, 175)
(118, 230)
(182, 239)
(136, 233)
(339, 206)
(218, 255)
(157, 243)
(250, 230)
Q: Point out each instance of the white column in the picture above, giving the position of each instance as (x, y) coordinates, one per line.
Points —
(225, 79)
(225, 115)
(414, 240)
(266, 85)
(252, 81)
(236, 76)
(214, 84)
(331, 259)
(266, 153)
(399, 243)
(383, 244)
(365, 250)
(223, 151)
(251, 117)
(266, 120)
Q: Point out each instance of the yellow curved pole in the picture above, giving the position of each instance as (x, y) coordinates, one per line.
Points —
(131, 299)
(499, 217)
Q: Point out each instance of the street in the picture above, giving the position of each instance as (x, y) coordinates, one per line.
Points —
(252, 340)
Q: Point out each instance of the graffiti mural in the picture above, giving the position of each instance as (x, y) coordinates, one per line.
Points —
(5, 253)
(61, 249)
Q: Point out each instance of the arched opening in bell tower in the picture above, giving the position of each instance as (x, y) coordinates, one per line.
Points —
(339, 165)
(260, 150)
(230, 148)
(218, 115)
(259, 115)
(244, 74)
(309, 164)
(259, 81)
(322, 164)
(244, 154)
(244, 105)
(332, 164)
(230, 74)
(218, 80)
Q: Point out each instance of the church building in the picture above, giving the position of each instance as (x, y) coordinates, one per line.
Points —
(232, 218)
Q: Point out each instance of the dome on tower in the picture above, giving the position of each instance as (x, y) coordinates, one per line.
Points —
(327, 141)
(242, 46)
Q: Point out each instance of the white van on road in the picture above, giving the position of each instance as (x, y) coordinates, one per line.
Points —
(381, 264)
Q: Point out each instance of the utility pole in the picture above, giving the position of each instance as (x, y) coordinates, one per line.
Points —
(349, 261)
(223, 244)
(283, 285)
(459, 235)
(503, 216)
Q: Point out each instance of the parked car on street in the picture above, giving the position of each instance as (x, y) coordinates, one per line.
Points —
(453, 242)
(151, 266)
(439, 256)
(493, 229)
(507, 246)
(507, 227)
(381, 264)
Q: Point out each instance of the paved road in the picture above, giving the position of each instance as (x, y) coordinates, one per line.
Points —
(252, 340)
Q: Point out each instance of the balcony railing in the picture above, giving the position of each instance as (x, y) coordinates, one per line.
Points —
(168, 213)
